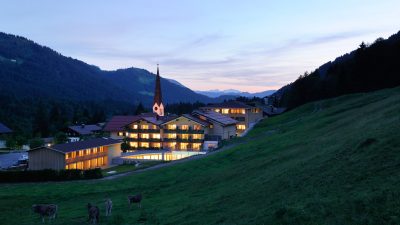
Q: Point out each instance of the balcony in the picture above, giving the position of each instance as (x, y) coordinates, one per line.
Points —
(189, 140)
(181, 131)
(144, 139)
(143, 130)
(85, 157)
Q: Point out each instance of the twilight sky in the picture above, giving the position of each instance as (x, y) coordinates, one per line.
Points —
(204, 44)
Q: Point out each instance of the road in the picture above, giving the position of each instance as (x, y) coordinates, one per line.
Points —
(9, 159)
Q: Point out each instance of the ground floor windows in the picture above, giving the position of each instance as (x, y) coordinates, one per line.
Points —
(196, 146)
(88, 164)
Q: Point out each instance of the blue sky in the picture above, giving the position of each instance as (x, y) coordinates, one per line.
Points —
(205, 44)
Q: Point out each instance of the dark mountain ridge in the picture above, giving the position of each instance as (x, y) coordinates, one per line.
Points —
(28, 69)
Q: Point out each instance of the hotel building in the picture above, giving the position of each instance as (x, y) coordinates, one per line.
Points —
(246, 115)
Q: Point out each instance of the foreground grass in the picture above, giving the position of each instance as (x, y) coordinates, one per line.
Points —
(329, 162)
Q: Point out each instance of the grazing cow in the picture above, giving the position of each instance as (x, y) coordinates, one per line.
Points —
(43, 210)
(135, 199)
(94, 213)
(108, 206)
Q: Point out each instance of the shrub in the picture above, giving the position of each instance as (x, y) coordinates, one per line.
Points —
(48, 175)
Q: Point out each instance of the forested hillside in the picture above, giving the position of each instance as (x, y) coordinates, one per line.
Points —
(37, 84)
(371, 67)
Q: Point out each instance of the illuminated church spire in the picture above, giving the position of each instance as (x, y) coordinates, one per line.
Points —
(158, 106)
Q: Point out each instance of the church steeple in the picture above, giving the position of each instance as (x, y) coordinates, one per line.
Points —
(158, 106)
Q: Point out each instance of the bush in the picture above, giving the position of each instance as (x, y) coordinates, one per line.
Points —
(48, 175)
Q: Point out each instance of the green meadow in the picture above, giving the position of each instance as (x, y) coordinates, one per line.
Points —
(335, 161)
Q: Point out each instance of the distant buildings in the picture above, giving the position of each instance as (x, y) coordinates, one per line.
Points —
(84, 155)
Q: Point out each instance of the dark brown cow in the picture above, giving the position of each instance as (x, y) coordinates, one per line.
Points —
(135, 199)
(43, 210)
(94, 213)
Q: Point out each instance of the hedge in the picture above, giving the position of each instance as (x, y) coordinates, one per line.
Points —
(48, 175)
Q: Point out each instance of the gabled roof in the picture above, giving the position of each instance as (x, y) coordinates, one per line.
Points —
(81, 145)
(85, 129)
(4, 129)
(216, 117)
(229, 104)
(117, 123)
(190, 117)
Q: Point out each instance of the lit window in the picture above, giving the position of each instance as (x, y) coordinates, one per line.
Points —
(120, 133)
(171, 126)
(171, 136)
(135, 126)
(156, 136)
(156, 145)
(144, 144)
(217, 110)
(196, 127)
(183, 146)
(133, 135)
(185, 136)
(241, 127)
(185, 127)
(145, 136)
(225, 111)
(133, 144)
(196, 146)
(196, 136)
(145, 127)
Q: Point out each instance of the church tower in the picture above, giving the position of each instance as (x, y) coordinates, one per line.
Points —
(158, 106)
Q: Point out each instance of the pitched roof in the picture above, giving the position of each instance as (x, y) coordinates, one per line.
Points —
(4, 129)
(216, 117)
(190, 117)
(85, 129)
(117, 123)
(80, 145)
(229, 104)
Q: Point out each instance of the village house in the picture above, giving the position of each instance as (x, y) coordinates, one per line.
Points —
(246, 115)
(89, 154)
(116, 126)
(78, 132)
(4, 133)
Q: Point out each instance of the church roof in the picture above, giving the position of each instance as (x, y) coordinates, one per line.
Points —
(157, 91)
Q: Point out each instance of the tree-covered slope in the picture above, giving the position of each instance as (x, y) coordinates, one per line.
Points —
(371, 67)
(31, 70)
(329, 162)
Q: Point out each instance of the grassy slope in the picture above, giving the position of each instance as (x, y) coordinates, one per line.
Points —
(329, 162)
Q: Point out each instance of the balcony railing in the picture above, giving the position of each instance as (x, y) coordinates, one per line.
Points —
(189, 140)
(182, 131)
(144, 139)
(145, 148)
(85, 157)
(143, 130)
